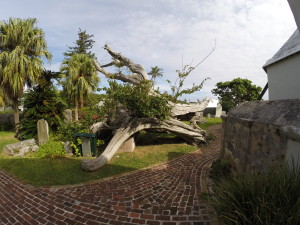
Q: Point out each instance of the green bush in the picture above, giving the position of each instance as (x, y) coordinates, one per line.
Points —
(136, 100)
(7, 111)
(51, 149)
(90, 115)
(40, 103)
(221, 168)
(270, 198)
(67, 131)
(6, 127)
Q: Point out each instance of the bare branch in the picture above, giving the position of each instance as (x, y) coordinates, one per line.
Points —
(213, 49)
(108, 64)
(132, 79)
(133, 67)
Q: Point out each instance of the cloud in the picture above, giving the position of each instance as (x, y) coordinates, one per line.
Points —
(169, 33)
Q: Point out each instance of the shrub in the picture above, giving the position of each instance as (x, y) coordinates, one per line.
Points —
(90, 115)
(6, 126)
(136, 100)
(40, 103)
(67, 131)
(51, 149)
(270, 198)
(221, 168)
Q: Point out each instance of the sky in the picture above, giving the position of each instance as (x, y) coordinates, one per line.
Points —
(168, 34)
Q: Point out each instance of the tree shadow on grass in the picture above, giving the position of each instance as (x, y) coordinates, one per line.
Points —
(58, 171)
(149, 138)
(173, 155)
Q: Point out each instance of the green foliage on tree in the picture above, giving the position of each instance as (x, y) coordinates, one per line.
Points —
(22, 45)
(94, 99)
(136, 100)
(42, 102)
(177, 89)
(83, 45)
(232, 93)
(80, 74)
(80, 79)
(155, 73)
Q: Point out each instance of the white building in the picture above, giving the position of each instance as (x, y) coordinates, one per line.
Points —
(283, 68)
(213, 108)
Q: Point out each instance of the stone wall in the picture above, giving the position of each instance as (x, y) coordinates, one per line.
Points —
(258, 134)
(7, 118)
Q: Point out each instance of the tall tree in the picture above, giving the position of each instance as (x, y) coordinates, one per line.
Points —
(232, 93)
(22, 45)
(42, 102)
(80, 78)
(80, 75)
(83, 44)
(155, 72)
(135, 106)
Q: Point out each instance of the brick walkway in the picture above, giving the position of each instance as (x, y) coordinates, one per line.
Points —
(167, 194)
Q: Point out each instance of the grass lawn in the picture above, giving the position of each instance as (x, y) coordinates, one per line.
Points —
(67, 170)
(210, 121)
(6, 138)
(61, 171)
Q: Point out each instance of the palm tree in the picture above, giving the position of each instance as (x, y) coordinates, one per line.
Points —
(22, 45)
(81, 78)
(155, 72)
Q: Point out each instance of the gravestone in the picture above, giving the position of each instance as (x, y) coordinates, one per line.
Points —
(43, 131)
(208, 115)
(86, 147)
(218, 110)
(127, 146)
(68, 115)
(68, 148)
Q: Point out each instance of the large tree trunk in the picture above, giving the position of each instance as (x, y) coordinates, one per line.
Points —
(123, 126)
(16, 113)
(81, 104)
(129, 128)
(76, 110)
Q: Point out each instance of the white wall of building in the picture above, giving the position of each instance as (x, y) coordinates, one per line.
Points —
(284, 78)
(293, 153)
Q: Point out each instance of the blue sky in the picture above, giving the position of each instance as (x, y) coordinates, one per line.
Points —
(168, 33)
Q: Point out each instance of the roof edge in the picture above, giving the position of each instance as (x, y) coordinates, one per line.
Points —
(289, 48)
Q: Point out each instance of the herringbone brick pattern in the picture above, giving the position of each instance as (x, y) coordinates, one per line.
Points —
(167, 194)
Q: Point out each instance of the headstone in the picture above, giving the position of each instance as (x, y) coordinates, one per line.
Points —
(86, 147)
(208, 115)
(68, 148)
(68, 115)
(127, 146)
(43, 131)
(218, 110)
(223, 113)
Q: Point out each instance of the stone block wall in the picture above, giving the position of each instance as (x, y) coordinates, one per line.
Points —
(6, 118)
(258, 134)
(252, 145)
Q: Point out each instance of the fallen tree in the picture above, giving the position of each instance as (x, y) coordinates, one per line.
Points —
(125, 119)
